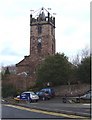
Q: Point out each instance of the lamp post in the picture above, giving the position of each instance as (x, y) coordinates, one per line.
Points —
(26, 74)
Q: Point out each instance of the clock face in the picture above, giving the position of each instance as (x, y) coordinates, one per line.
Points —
(39, 40)
(39, 44)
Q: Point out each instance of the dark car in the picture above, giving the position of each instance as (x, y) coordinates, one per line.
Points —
(43, 95)
(46, 93)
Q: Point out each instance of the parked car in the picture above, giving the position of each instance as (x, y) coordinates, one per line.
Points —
(27, 96)
(86, 96)
(3, 101)
(43, 95)
(46, 93)
(49, 90)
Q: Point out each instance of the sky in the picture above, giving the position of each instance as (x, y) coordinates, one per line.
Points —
(72, 32)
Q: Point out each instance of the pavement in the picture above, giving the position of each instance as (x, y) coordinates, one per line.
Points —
(56, 105)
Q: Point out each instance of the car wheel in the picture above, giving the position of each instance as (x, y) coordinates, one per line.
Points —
(78, 100)
(30, 101)
(36, 100)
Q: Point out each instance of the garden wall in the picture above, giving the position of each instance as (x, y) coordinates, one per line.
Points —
(72, 90)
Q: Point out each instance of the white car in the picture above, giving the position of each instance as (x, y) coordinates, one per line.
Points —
(28, 96)
(86, 96)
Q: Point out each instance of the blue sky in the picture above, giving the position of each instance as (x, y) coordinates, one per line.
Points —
(72, 27)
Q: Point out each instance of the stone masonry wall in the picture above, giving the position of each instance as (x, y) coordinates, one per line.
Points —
(20, 82)
(72, 90)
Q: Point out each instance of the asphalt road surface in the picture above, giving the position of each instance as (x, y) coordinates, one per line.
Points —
(53, 108)
(11, 112)
(56, 105)
(20, 112)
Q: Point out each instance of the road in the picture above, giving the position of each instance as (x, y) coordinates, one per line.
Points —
(12, 112)
(46, 109)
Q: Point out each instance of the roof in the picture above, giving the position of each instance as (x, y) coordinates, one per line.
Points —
(23, 62)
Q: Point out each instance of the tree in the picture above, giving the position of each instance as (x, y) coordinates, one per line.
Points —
(55, 69)
(84, 70)
(76, 60)
(7, 72)
(84, 53)
(8, 90)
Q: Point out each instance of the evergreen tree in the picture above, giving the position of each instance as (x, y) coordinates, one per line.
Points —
(84, 70)
(7, 72)
(55, 69)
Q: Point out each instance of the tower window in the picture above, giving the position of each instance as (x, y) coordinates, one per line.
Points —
(39, 45)
(39, 29)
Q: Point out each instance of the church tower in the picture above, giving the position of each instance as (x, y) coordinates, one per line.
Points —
(42, 34)
(42, 41)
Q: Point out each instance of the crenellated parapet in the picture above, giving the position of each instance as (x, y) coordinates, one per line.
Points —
(42, 17)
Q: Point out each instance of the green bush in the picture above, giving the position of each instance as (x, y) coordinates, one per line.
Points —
(8, 90)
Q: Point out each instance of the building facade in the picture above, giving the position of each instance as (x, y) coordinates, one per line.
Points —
(42, 42)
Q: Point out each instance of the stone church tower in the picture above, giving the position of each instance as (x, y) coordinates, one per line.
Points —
(42, 42)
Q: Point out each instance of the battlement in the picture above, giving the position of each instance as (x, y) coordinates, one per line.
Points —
(42, 17)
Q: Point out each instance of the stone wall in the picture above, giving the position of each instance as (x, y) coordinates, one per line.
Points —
(24, 83)
(20, 82)
(72, 90)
